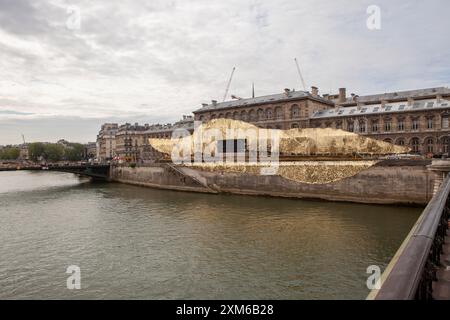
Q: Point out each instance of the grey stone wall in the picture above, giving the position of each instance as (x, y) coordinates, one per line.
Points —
(156, 176)
(384, 184)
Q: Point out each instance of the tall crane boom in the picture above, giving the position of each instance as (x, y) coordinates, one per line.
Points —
(228, 85)
(300, 74)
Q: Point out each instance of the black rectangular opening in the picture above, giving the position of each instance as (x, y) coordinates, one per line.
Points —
(231, 146)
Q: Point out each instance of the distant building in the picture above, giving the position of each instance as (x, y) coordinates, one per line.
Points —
(90, 150)
(106, 142)
(129, 142)
(24, 155)
(63, 142)
(132, 140)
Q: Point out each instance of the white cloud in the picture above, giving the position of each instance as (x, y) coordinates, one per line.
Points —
(157, 60)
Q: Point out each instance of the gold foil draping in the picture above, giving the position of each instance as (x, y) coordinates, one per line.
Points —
(311, 172)
(305, 142)
(302, 142)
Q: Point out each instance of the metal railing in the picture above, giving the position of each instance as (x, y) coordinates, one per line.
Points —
(411, 272)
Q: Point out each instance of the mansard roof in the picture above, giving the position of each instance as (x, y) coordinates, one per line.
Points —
(399, 95)
(273, 98)
(395, 107)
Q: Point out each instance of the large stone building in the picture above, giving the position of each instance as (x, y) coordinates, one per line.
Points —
(106, 142)
(417, 118)
(291, 109)
(129, 140)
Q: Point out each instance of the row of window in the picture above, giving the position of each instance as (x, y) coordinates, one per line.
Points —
(260, 115)
(387, 126)
(429, 144)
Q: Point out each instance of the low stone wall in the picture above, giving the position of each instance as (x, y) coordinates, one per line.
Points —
(156, 176)
(384, 183)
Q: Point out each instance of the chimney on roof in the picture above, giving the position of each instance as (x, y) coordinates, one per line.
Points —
(214, 102)
(342, 95)
(204, 105)
(286, 91)
(314, 91)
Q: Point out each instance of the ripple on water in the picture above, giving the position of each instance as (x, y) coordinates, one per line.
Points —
(140, 243)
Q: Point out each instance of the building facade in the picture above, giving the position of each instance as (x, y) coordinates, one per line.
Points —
(132, 141)
(129, 141)
(90, 150)
(106, 142)
(24, 155)
(415, 118)
(291, 109)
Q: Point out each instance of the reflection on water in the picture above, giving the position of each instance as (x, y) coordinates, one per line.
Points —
(140, 243)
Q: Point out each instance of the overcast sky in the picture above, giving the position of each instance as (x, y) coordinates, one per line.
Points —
(153, 61)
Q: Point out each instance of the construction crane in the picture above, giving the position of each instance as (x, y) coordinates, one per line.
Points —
(23, 138)
(228, 85)
(300, 74)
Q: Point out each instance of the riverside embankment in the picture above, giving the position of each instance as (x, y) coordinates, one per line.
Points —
(387, 182)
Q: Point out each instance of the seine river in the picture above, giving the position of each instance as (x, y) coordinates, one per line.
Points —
(139, 243)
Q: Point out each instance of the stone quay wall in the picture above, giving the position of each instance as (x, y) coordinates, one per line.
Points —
(387, 182)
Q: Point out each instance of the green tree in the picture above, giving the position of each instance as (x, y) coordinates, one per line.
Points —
(35, 150)
(53, 152)
(9, 153)
(74, 152)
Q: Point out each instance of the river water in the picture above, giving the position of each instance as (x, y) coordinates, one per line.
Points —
(140, 243)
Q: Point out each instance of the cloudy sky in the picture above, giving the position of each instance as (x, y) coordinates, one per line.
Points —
(68, 66)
